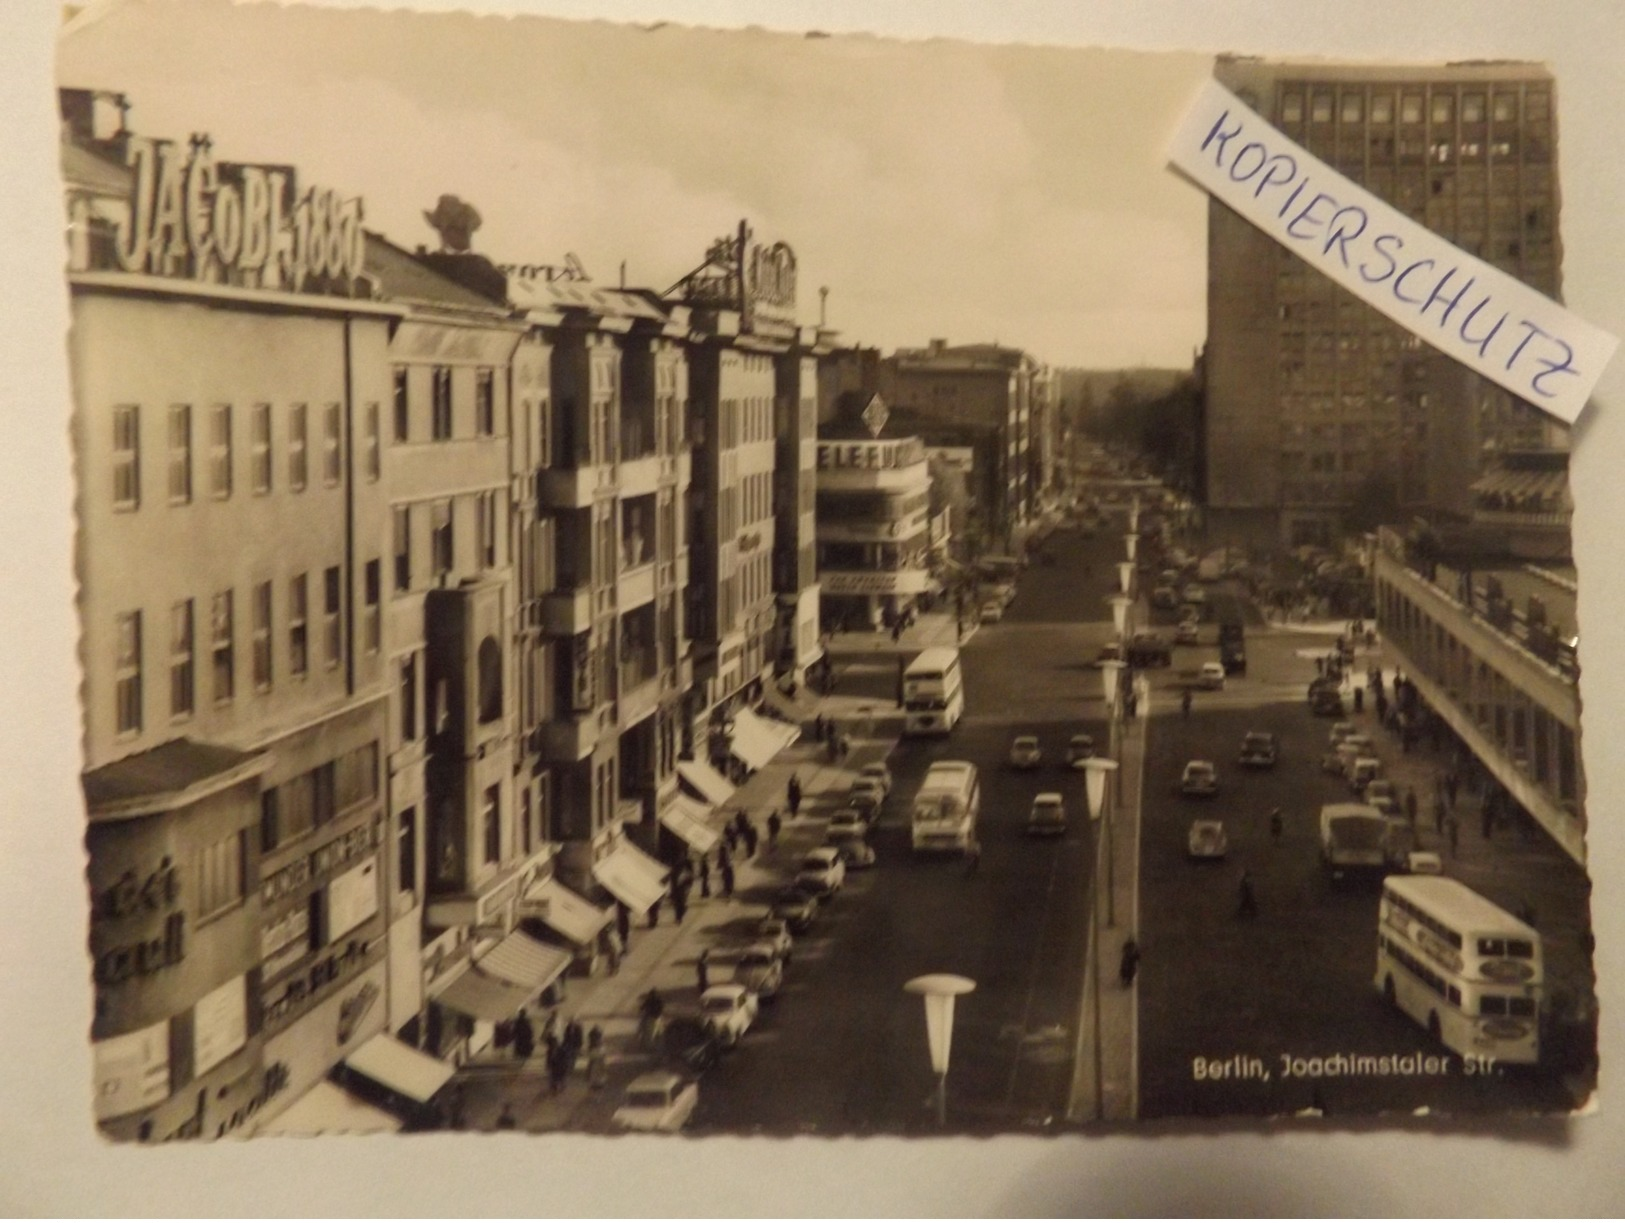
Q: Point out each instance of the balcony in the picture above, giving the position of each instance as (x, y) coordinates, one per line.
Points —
(575, 488)
(640, 696)
(566, 739)
(566, 613)
(636, 587)
(640, 477)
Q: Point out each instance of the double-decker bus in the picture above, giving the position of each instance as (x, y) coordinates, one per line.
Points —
(946, 807)
(1464, 969)
(933, 692)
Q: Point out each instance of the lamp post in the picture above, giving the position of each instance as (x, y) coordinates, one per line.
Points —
(1120, 605)
(939, 989)
(1096, 773)
(1131, 541)
(1125, 574)
(1111, 681)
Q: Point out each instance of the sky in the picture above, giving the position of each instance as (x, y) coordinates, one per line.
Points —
(937, 189)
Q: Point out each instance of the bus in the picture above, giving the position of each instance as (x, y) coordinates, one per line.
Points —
(946, 807)
(933, 692)
(1464, 969)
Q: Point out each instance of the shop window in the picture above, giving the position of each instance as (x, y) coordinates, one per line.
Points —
(127, 456)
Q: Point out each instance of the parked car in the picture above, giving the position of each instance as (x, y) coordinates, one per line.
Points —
(1340, 731)
(1258, 750)
(1078, 749)
(1326, 702)
(775, 932)
(796, 907)
(1211, 676)
(657, 1102)
(1005, 593)
(727, 1011)
(866, 797)
(760, 970)
(1207, 840)
(1199, 780)
(1194, 594)
(1423, 862)
(992, 612)
(877, 770)
(1188, 633)
(1380, 789)
(858, 855)
(1165, 597)
(1024, 752)
(1112, 651)
(1048, 816)
(846, 825)
(1147, 649)
(822, 871)
(1363, 770)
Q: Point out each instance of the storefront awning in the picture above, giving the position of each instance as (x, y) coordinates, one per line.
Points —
(689, 819)
(523, 961)
(399, 1067)
(707, 782)
(632, 877)
(560, 909)
(485, 997)
(328, 1109)
(756, 740)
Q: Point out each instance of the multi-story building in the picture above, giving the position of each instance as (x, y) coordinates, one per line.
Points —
(795, 565)
(1316, 403)
(231, 379)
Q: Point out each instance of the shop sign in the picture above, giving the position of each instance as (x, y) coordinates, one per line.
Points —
(770, 283)
(132, 1071)
(137, 895)
(192, 217)
(353, 1010)
(875, 455)
(219, 1025)
(352, 898)
(907, 581)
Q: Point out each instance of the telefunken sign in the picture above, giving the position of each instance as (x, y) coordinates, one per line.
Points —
(192, 216)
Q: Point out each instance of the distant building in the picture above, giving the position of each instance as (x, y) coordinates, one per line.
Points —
(1316, 404)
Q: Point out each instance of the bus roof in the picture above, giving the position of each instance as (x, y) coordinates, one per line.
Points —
(1457, 905)
(936, 659)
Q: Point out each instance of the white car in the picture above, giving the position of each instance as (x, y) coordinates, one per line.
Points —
(1208, 840)
(657, 1102)
(858, 855)
(727, 1011)
(1211, 676)
(992, 612)
(877, 771)
(1048, 816)
(774, 932)
(760, 970)
(1199, 780)
(1340, 731)
(822, 871)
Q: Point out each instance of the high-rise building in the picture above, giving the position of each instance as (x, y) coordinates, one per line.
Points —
(1318, 407)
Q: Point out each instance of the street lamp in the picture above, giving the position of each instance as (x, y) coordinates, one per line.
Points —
(1096, 773)
(1131, 541)
(1125, 574)
(1110, 684)
(1120, 605)
(939, 989)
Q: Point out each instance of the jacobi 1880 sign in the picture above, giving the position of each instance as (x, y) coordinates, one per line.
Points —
(192, 216)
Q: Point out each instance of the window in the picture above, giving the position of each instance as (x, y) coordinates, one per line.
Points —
(403, 415)
(406, 850)
(260, 448)
(332, 632)
(1410, 108)
(220, 874)
(374, 457)
(1350, 107)
(403, 548)
(221, 637)
(180, 453)
(298, 468)
(409, 698)
(1320, 108)
(261, 630)
(1382, 108)
(487, 508)
(126, 456)
(440, 538)
(1472, 108)
(181, 686)
(1504, 107)
(298, 638)
(1292, 108)
(323, 792)
(371, 620)
(1444, 108)
(270, 820)
(332, 443)
(491, 823)
(127, 673)
(220, 450)
(441, 425)
(485, 402)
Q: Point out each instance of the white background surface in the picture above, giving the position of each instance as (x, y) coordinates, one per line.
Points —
(50, 1159)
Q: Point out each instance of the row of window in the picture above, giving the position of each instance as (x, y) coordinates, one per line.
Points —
(184, 695)
(442, 520)
(1354, 104)
(318, 796)
(441, 415)
(221, 424)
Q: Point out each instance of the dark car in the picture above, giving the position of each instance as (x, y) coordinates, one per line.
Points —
(1149, 650)
(798, 907)
(1325, 701)
(1258, 750)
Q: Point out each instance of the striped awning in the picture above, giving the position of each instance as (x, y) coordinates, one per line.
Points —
(484, 997)
(523, 961)
(631, 876)
(707, 782)
(1516, 482)
(571, 914)
(399, 1067)
(328, 1109)
(690, 820)
(756, 740)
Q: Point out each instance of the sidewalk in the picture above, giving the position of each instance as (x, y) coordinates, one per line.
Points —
(664, 957)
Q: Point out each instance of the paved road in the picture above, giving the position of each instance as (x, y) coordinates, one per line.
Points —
(844, 1050)
(1298, 979)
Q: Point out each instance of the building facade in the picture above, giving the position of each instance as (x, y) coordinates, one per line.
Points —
(1316, 405)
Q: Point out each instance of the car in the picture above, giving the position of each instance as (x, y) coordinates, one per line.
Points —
(1165, 597)
(1005, 593)
(992, 612)
(1112, 651)
(1025, 752)
(1380, 789)
(866, 797)
(796, 907)
(1422, 862)
(1078, 749)
(1048, 816)
(1199, 780)
(858, 855)
(1383, 805)
(1326, 703)
(1207, 840)
(1340, 731)
(846, 825)
(822, 871)
(1188, 633)
(775, 932)
(760, 970)
(1363, 743)
(1193, 593)
(1363, 770)
(877, 771)
(727, 1011)
(1211, 676)
(1146, 649)
(659, 1102)
(1258, 750)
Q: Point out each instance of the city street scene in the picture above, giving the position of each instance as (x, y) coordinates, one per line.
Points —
(729, 583)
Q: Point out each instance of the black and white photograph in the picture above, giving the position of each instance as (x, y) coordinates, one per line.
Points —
(651, 580)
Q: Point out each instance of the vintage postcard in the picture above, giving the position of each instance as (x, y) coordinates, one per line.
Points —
(660, 579)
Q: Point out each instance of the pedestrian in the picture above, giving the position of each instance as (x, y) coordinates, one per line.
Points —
(1131, 702)
(613, 942)
(1452, 828)
(524, 1036)
(1129, 964)
(704, 876)
(1277, 825)
(1451, 782)
(654, 913)
(597, 1060)
(774, 823)
(650, 1009)
(1410, 805)
(679, 902)
(845, 747)
(623, 923)
(1246, 898)
(728, 880)
(505, 1119)
(1185, 703)
(792, 793)
(702, 971)
(751, 838)
(1359, 700)
(730, 838)
(557, 1071)
(724, 857)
